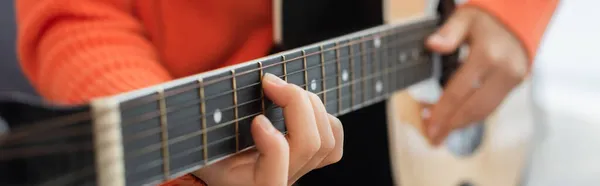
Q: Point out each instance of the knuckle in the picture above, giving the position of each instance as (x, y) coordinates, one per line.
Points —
(327, 146)
(337, 157)
(494, 56)
(517, 69)
(310, 150)
(314, 97)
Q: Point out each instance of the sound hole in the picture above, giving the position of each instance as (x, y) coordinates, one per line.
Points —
(465, 183)
(464, 142)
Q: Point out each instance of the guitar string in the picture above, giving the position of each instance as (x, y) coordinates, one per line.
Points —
(155, 163)
(86, 116)
(88, 171)
(362, 40)
(74, 131)
(157, 113)
(158, 162)
(184, 137)
(32, 149)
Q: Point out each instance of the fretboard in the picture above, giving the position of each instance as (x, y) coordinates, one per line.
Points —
(171, 129)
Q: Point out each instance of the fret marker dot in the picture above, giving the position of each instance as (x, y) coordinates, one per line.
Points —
(345, 75)
(415, 53)
(377, 42)
(217, 116)
(313, 84)
(402, 57)
(378, 86)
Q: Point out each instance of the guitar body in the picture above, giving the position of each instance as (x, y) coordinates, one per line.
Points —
(491, 153)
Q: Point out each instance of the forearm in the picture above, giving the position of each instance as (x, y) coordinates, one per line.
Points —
(73, 51)
(526, 19)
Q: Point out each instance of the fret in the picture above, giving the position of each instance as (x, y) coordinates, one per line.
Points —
(295, 70)
(164, 134)
(273, 112)
(401, 58)
(314, 73)
(377, 86)
(357, 72)
(389, 45)
(392, 60)
(323, 81)
(250, 100)
(262, 94)
(351, 67)
(220, 116)
(330, 77)
(344, 81)
(203, 116)
(235, 111)
(285, 73)
(366, 60)
(305, 70)
(339, 76)
(136, 168)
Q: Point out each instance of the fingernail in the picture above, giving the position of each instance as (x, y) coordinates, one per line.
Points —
(274, 80)
(265, 124)
(437, 39)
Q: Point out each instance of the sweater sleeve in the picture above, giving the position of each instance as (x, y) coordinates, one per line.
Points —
(73, 51)
(527, 19)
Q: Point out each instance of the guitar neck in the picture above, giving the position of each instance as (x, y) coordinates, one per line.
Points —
(167, 130)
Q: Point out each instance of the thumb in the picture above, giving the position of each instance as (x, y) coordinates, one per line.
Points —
(273, 162)
(453, 33)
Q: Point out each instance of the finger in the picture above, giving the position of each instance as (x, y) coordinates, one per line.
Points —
(452, 33)
(338, 133)
(458, 89)
(303, 135)
(482, 103)
(325, 133)
(273, 162)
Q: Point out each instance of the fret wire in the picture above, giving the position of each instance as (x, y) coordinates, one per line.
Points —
(377, 62)
(363, 61)
(262, 96)
(86, 117)
(386, 62)
(339, 78)
(351, 61)
(262, 68)
(188, 104)
(346, 84)
(323, 73)
(393, 63)
(203, 110)
(285, 76)
(235, 112)
(249, 102)
(164, 134)
(305, 70)
(262, 93)
(371, 76)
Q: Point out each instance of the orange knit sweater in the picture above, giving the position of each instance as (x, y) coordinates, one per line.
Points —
(75, 50)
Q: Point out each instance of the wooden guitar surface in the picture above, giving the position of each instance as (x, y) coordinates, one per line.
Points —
(497, 161)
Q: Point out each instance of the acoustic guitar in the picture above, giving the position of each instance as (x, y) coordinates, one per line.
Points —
(352, 53)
